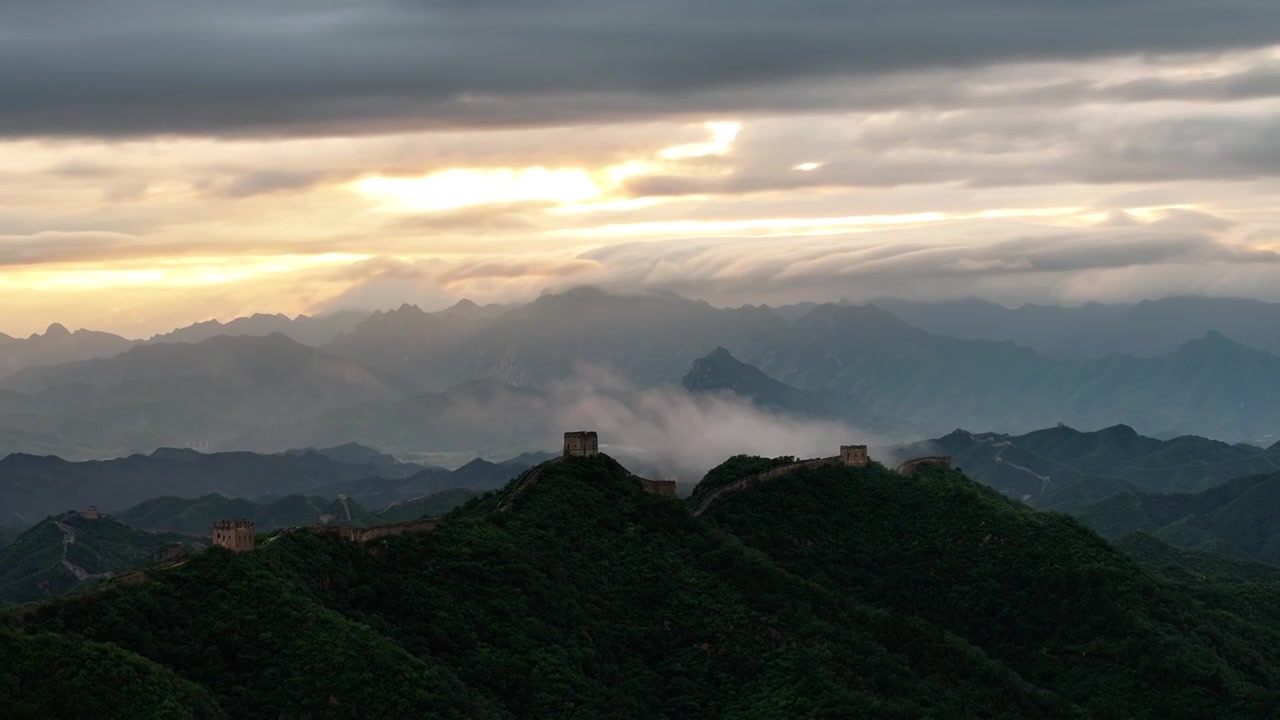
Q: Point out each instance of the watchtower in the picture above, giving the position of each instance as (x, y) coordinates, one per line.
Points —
(581, 444)
(236, 535)
(854, 455)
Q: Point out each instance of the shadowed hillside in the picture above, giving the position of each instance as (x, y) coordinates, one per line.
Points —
(832, 592)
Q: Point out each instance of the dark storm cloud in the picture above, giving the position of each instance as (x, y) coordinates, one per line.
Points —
(103, 67)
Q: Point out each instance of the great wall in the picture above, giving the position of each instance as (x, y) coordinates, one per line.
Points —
(238, 535)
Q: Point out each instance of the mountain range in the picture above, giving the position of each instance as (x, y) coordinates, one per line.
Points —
(1096, 330)
(468, 380)
(1065, 469)
(835, 592)
(33, 487)
(1240, 518)
(72, 550)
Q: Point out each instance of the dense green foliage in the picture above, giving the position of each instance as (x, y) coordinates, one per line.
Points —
(1195, 565)
(1030, 589)
(839, 592)
(93, 680)
(1239, 518)
(39, 562)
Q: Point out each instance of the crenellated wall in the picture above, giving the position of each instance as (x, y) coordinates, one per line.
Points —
(665, 488)
(769, 474)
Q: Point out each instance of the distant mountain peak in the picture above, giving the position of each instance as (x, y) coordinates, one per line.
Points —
(1119, 431)
(57, 330)
(720, 371)
(1214, 342)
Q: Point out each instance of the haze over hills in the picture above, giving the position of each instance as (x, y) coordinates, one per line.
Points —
(32, 487)
(202, 394)
(304, 329)
(57, 345)
(471, 380)
(1095, 330)
(943, 598)
(1064, 469)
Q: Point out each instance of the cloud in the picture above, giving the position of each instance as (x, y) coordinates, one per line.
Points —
(45, 247)
(666, 430)
(143, 67)
(983, 148)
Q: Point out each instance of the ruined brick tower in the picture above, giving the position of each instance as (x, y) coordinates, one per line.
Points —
(234, 535)
(855, 455)
(581, 444)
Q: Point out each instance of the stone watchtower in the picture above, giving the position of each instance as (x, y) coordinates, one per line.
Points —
(234, 535)
(581, 444)
(855, 455)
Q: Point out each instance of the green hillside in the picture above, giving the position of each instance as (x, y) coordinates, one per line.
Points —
(97, 680)
(196, 516)
(192, 516)
(1008, 580)
(67, 551)
(1185, 564)
(437, 503)
(1239, 518)
(839, 592)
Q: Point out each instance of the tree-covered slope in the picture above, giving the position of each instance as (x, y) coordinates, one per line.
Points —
(436, 503)
(1197, 565)
(95, 680)
(572, 593)
(67, 551)
(1240, 518)
(1036, 591)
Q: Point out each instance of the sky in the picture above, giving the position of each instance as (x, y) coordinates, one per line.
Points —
(164, 162)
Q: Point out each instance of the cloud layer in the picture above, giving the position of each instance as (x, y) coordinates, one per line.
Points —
(77, 67)
(168, 162)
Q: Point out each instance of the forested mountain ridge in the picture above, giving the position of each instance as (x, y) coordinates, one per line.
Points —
(1066, 469)
(836, 592)
(1239, 518)
(32, 487)
(71, 550)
